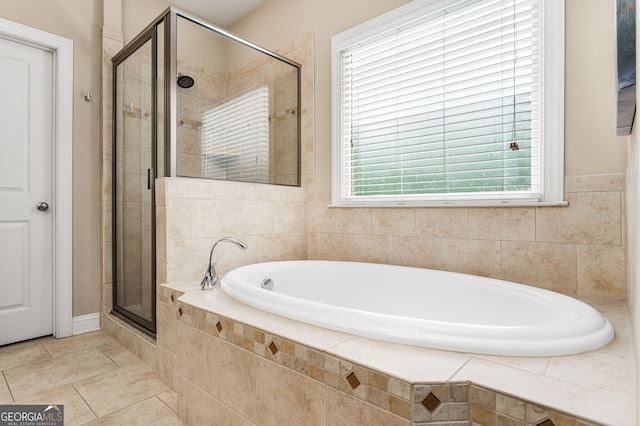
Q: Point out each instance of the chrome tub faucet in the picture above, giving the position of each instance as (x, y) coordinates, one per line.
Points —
(211, 278)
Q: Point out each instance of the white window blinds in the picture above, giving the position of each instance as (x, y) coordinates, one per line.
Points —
(235, 138)
(445, 106)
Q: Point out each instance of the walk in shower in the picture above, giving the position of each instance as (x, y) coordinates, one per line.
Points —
(191, 100)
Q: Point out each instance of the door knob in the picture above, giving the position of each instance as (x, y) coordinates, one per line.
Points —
(42, 206)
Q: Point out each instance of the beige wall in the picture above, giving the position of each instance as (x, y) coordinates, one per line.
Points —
(80, 21)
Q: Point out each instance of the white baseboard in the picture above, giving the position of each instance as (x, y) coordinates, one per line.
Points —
(86, 323)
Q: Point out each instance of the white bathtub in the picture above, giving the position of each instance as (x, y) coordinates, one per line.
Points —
(423, 307)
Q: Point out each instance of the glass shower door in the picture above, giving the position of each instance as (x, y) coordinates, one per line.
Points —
(134, 176)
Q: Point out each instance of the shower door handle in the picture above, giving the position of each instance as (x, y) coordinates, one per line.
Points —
(149, 178)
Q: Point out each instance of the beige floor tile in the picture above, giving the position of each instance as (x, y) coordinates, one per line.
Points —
(150, 411)
(23, 353)
(76, 411)
(5, 394)
(40, 376)
(119, 354)
(111, 391)
(57, 347)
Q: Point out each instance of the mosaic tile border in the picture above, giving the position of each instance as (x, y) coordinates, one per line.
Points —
(383, 391)
(433, 404)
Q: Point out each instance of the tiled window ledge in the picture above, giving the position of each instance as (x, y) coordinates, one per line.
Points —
(424, 386)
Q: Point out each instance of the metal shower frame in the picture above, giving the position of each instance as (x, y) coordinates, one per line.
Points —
(168, 18)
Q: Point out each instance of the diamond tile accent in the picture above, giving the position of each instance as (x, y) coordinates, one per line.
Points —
(172, 298)
(180, 311)
(352, 379)
(218, 326)
(547, 422)
(431, 402)
(273, 348)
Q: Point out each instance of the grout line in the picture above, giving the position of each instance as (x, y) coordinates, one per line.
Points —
(450, 378)
(8, 387)
(85, 401)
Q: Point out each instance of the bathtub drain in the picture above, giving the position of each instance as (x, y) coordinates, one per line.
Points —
(267, 284)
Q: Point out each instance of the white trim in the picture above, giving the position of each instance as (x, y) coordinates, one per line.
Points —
(86, 323)
(62, 49)
(553, 108)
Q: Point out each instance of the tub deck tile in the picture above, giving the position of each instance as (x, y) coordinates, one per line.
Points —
(555, 388)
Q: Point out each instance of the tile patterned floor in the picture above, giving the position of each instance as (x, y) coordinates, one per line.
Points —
(97, 380)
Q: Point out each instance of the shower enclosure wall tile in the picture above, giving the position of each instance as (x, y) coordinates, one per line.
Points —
(202, 225)
(177, 211)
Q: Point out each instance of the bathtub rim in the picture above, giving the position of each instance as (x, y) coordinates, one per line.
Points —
(500, 341)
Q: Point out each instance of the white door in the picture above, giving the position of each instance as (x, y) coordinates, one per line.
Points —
(26, 181)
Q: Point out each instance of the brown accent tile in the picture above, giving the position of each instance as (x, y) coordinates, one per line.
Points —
(546, 423)
(273, 348)
(219, 327)
(431, 402)
(352, 380)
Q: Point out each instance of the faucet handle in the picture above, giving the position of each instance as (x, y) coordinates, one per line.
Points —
(207, 282)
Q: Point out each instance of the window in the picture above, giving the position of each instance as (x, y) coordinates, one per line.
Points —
(235, 138)
(451, 103)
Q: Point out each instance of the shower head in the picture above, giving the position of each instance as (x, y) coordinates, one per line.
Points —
(185, 81)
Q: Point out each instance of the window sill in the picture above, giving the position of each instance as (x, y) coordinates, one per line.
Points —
(451, 204)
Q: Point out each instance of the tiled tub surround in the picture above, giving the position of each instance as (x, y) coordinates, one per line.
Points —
(234, 363)
(578, 250)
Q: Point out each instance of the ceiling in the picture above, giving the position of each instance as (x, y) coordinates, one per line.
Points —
(219, 12)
